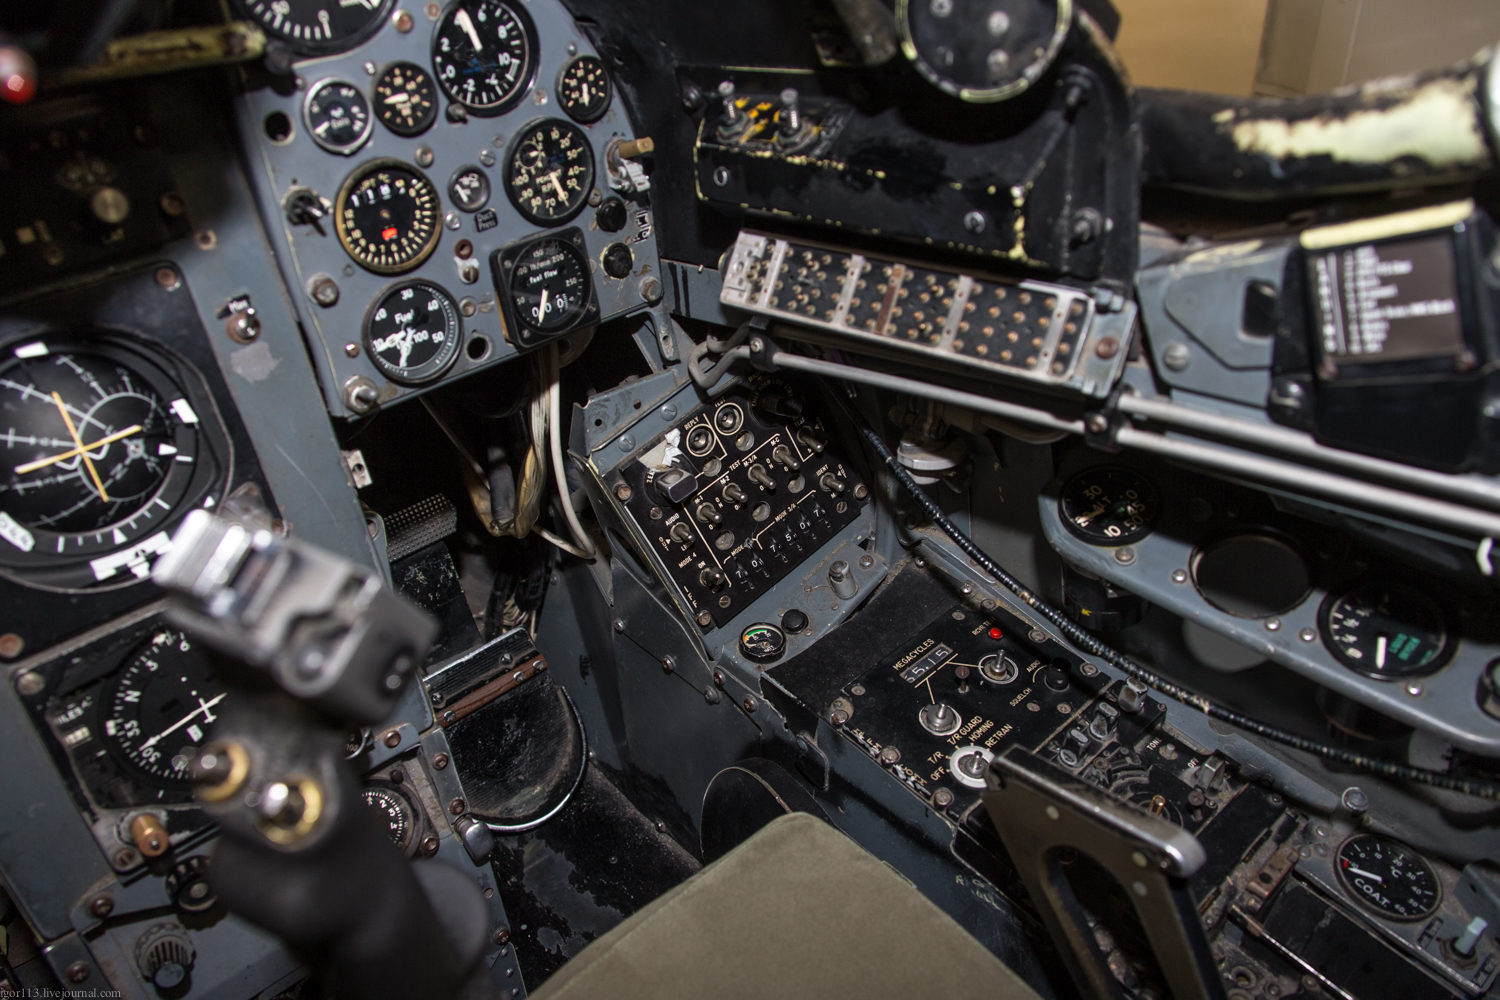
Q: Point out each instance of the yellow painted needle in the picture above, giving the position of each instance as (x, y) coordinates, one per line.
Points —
(88, 463)
(42, 463)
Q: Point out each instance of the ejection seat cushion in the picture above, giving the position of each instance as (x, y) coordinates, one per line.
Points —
(798, 910)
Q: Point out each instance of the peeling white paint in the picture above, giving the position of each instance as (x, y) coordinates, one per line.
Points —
(1439, 123)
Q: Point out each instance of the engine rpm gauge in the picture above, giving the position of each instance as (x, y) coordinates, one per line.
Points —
(317, 26)
(483, 52)
(1386, 632)
(583, 88)
(549, 171)
(387, 216)
(413, 332)
(549, 287)
(1109, 505)
(406, 99)
(337, 116)
(1391, 879)
(163, 700)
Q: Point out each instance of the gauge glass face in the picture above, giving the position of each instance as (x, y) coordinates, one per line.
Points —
(981, 50)
(1387, 877)
(406, 99)
(550, 171)
(163, 700)
(388, 217)
(550, 285)
(1109, 505)
(337, 116)
(482, 53)
(413, 332)
(583, 89)
(762, 642)
(317, 25)
(469, 189)
(1386, 632)
(90, 442)
(393, 811)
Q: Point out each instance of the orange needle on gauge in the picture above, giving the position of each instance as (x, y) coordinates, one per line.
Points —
(42, 463)
(88, 463)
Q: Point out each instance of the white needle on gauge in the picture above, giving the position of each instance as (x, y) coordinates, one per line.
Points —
(541, 312)
(1364, 874)
(203, 708)
(585, 94)
(398, 98)
(462, 20)
(1083, 519)
(556, 184)
(407, 337)
(1380, 652)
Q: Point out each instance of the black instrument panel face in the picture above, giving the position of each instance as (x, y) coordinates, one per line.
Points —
(545, 286)
(406, 99)
(484, 54)
(317, 27)
(739, 495)
(388, 217)
(549, 171)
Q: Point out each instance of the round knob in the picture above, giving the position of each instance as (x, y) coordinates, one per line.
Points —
(712, 577)
(618, 261)
(110, 206)
(164, 954)
(611, 216)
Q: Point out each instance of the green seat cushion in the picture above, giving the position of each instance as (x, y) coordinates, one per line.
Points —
(798, 910)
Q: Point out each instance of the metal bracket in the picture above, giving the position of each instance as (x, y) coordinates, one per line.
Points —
(1040, 811)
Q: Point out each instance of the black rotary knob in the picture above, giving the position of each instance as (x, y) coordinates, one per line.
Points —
(164, 955)
(618, 260)
(794, 621)
(611, 215)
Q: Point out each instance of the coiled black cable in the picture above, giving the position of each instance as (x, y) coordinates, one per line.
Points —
(1082, 639)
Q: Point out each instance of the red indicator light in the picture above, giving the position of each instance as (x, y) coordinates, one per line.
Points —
(995, 633)
(388, 233)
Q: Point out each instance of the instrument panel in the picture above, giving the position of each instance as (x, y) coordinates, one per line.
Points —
(446, 138)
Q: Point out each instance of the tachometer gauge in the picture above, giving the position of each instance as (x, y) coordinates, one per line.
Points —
(483, 52)
(317, 26)
(982, 50)
(388, 216)
(549, 290)
(583, 89)
(413, 332)
(163, 700)
(406, 99)
(337, 116)
(1391, 879)
(549, 171)
(100, 448)
(1386, 632)
(1109, 505)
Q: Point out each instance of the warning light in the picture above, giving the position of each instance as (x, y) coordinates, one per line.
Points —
(17, 75)
(995, 633)
(389, 233)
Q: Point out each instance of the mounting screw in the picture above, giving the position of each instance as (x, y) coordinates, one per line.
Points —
(1273, 625)
(704, 619)
(974, 222)
(424, 156)
(1107, 347)
(456, 807)
(323, 290)
(167, 278)
(1176, 356)
(865, 562)
(1414, 689)
(838, 717)
(1097, 423)
(430, 844)
(749, 704)
(1125, 555)
(619, 624)
(78, 972)
(889, 756)
(623, 492)
(501, 935)
(449, 717)
(102, 906)
(439, 761)
(942, 798)
(712, 695)
(393, 738)
(1179, 576)
(1088, 670)
(1307, 635)
(1355, 800)
(30, 683)
(403, 21)
(651, 290)
(668, 664)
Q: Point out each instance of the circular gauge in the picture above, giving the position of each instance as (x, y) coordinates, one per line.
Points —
(337, 116)
(469, 189)
(1387, 877)
(549, 286)
(406, 99)
(583, 89)
(163, 700)
(394, 811)
(413, 332)
(1109, 505)
(316, 26)
(100, 451)
(1386, 632)
(981, 50)
(483, 51)
(762, 642)
(549, 171)
(388, 216)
